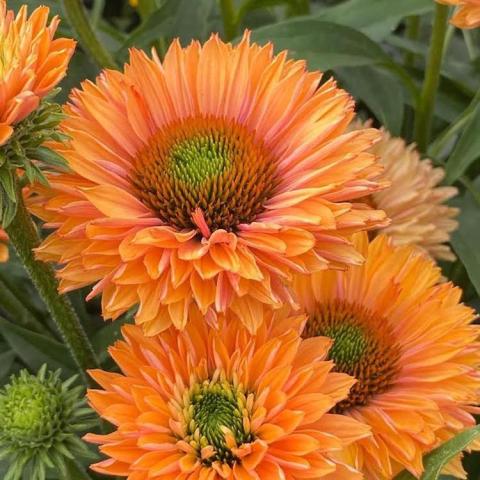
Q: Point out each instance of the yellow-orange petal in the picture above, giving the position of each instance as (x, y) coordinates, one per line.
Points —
(412, 347)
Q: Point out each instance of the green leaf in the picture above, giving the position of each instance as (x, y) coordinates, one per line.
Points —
(324, 45)
(7, 180)
(175, 18)
(6, 363)
(35, 349)
(381, 91)
(467, 149)
(375, 18)
(105, 337)
(50, 157)
(465, 239)
(435, 461)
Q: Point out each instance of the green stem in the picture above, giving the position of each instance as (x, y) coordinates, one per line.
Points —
(24, 237)
(77, 16)
(440, 143)
(97, 11)
(472, 48)
(229, 16)
(75, 471)
(426, 105)
(412, 32)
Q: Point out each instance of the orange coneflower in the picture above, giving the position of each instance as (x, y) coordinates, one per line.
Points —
(415, 203)
(411, 345)
(32, 62)
(467, 14)
(216, 404)
(206, 180)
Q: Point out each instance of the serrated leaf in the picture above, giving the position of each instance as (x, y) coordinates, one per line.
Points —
(435, 461)
(36, 349)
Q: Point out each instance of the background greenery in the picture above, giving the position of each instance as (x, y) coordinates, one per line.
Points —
(376, 49)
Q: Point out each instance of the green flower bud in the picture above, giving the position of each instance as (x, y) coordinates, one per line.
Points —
(25, 150)
(42, 418)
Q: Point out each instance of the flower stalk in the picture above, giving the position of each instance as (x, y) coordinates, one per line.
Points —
(229, 16)
(24, 237)
(78, 19)
(426, 104)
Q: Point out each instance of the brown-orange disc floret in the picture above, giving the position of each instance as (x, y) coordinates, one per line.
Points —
(205, 167)
(364, 347)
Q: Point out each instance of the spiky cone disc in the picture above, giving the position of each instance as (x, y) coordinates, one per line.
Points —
(412, 346)
(42, 418)
(224, 404)
(230, 169)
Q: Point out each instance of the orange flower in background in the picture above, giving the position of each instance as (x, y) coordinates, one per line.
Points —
(411, 345)
(3, 246)
(415, 203)
(467, 14)
(31, 63)
(206, 181)
(202, 403)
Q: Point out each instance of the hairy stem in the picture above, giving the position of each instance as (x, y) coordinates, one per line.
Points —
(25, 238)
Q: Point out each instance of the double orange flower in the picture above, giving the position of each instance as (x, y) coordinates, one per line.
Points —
(218, 190)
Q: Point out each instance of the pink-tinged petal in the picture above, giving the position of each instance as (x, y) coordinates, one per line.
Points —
(115, 202)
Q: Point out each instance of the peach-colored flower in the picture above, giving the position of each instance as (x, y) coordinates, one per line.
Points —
(206, 180)
(223, 404)
(32, 62)
(412, 347)
(414, 202)
(467, 14)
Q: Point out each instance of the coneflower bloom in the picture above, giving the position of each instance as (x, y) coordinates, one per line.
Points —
(467, 14)
(414, 202)
(32, 62)
(201, 403)
(410, 344)
(205, 181)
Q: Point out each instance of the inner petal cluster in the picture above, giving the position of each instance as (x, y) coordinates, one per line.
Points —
(217, 420)
(364, 347)
(208, 173)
